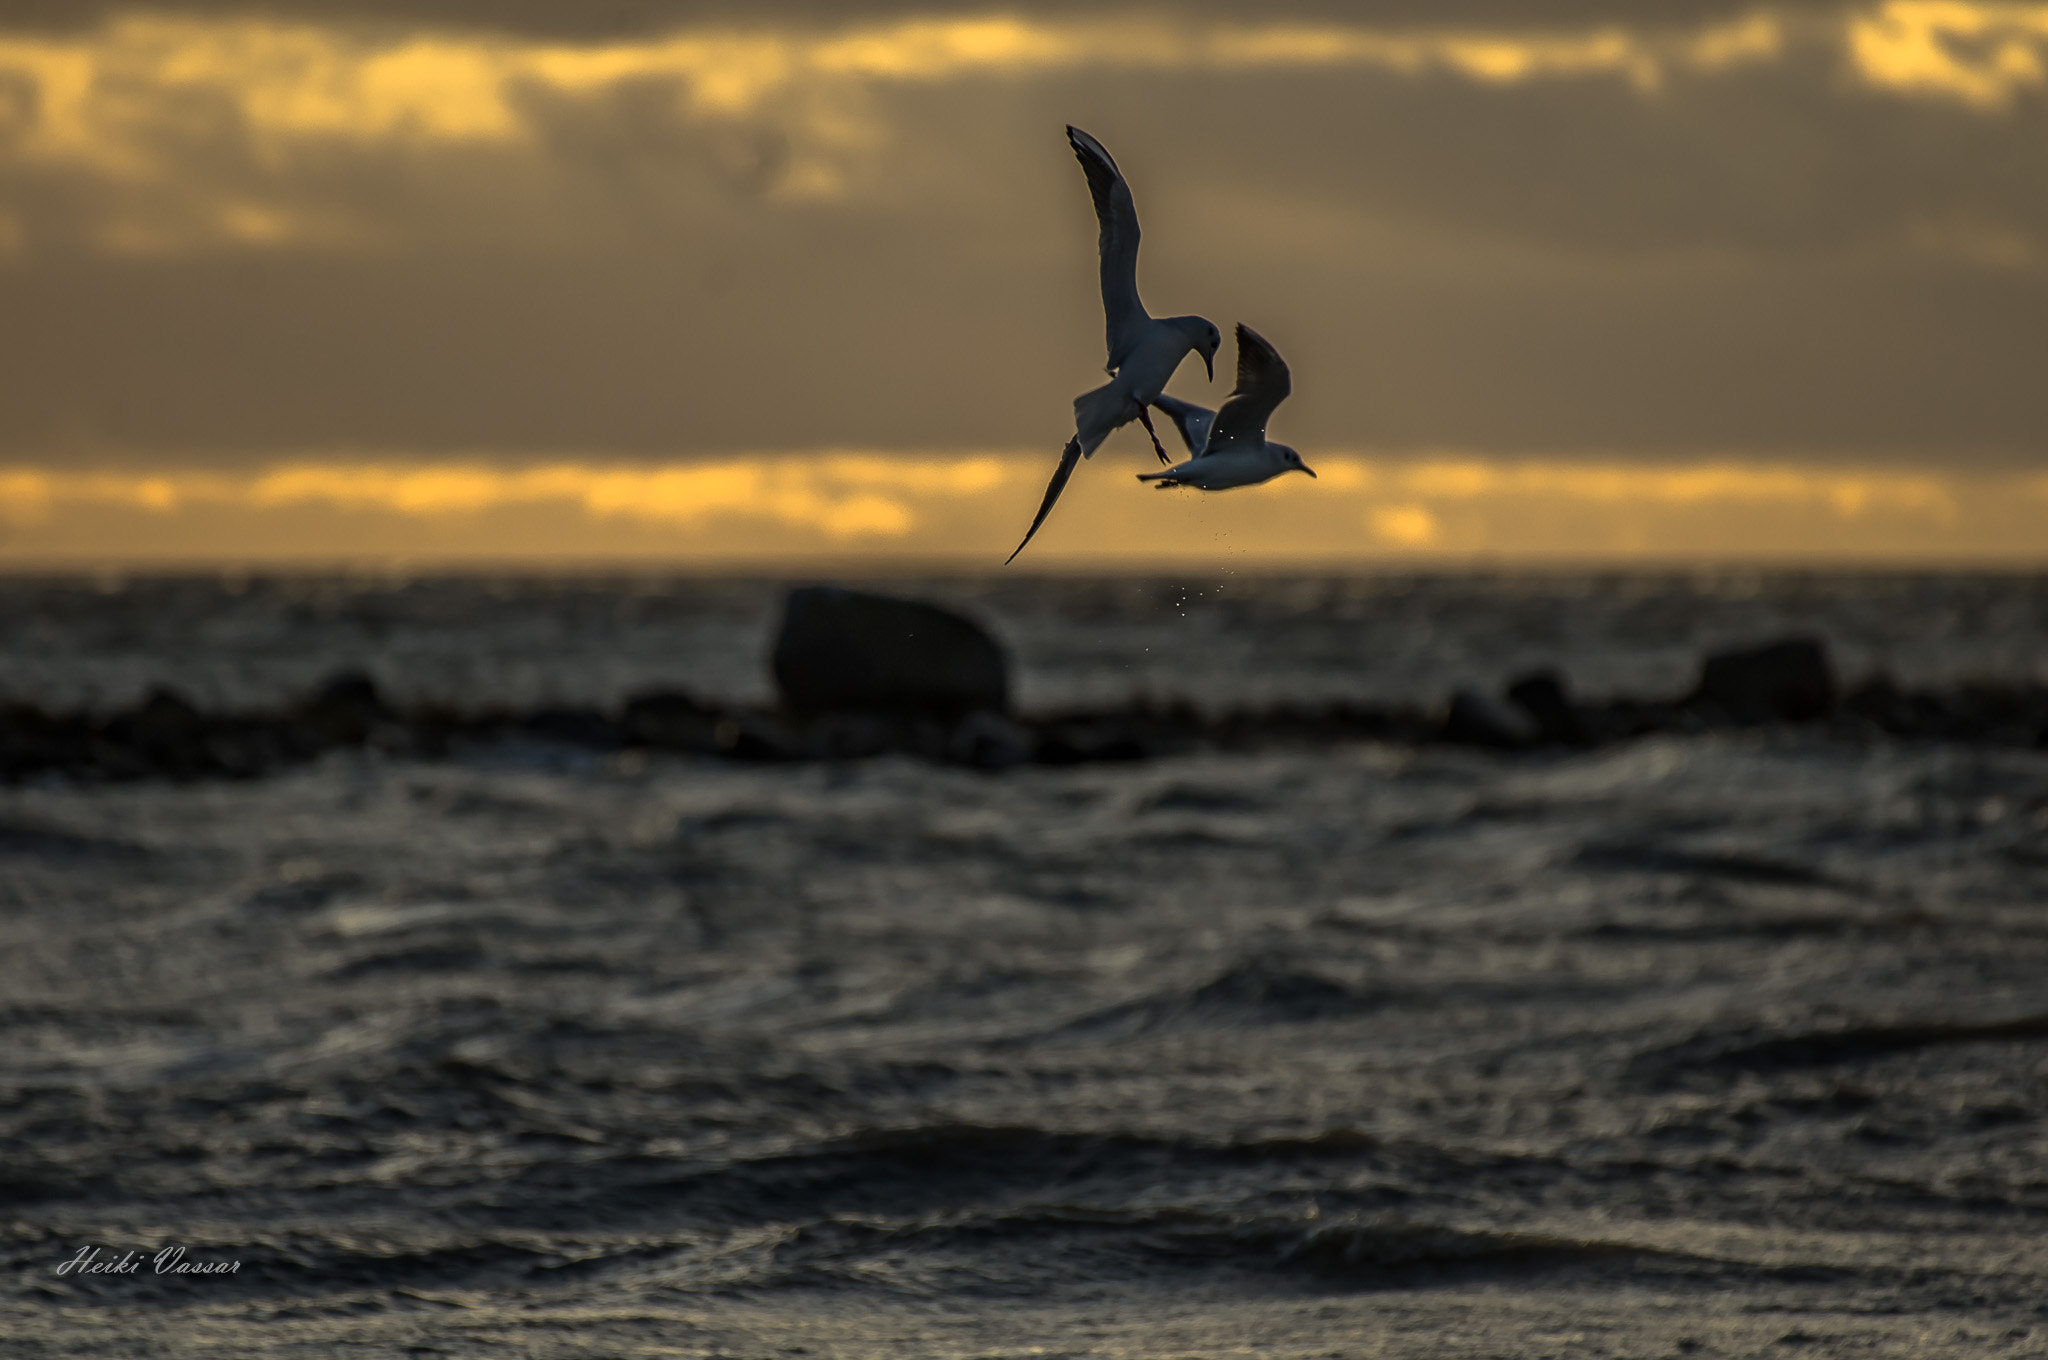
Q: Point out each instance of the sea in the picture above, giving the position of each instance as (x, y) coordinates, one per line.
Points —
(1729, 1042)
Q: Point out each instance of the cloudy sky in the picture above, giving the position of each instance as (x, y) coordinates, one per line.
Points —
(665, 278)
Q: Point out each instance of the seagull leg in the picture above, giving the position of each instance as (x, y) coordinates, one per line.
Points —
(1145, 417)
(1069, 456)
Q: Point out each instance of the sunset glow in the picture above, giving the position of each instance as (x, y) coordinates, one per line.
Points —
(363, 282)
(856, 506)
(141, 100)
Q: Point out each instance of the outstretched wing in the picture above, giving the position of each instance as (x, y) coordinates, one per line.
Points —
(1191, 420)
(1262, 384)
(1068, 457)
(1117, 216)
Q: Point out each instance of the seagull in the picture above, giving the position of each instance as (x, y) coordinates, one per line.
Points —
(1144, 350)
(1229, 447)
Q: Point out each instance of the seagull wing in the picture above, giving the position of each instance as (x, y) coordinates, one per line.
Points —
(1262, 384)
(1117, 216)
(1191, 420)
(1068, 457)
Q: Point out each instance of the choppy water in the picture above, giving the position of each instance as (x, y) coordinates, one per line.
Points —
(1718, 1045)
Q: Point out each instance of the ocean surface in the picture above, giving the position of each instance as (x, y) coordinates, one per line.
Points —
(1722, 1044)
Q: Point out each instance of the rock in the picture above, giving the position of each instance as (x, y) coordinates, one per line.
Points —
(346, 710)
(245, 748)
(989, 741)
(32, 740)
(741, 735)
(574, 727)
(1785, 681)
(1081, 741)
(670, 720)
(856, 736)
(842, 650)
(1543, 696)
(1880, 702)
(164, 734)
(1481, 720)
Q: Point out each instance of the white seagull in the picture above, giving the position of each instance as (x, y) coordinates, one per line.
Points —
(1229, 447)
(1144, 350)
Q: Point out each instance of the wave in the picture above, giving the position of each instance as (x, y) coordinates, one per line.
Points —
(1260, 991)
(1726, 1056)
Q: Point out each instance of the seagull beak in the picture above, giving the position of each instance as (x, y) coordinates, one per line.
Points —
(1309, 470)
(1209, 362)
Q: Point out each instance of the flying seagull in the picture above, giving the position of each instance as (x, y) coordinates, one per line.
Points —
(1229, 447)
(1144, 350)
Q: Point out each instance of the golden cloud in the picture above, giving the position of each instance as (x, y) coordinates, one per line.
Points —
(1979, 54)
(761, 508)
(142, 100)
(839, 495)
(1402, 526)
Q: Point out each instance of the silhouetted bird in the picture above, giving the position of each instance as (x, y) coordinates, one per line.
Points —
(1229, 447)
(1143, 350)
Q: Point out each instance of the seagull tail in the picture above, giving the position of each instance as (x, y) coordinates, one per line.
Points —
(1099, 412)
(1069, 456)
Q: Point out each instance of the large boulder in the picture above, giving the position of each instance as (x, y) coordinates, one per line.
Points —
(1785, 681)
(843, 650)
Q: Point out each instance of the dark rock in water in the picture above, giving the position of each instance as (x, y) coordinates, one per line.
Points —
(574, 727)
(164, 734)
(989, 741)
(32, 740)
(672, 721)
(1481, 720)
(1543, 696)
(852, 736)
(1900, 712)
(245, 748)
(1785, 681)
(346, 710)
(1079, 741)
(755, 736)
(2015, 715)
(841, 650)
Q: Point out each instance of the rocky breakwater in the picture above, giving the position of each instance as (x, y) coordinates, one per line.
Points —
(860, 675)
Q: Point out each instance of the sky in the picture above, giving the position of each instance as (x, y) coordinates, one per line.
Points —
(662, 280)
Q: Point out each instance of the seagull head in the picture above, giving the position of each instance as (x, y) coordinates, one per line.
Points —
(1203, 338)
(1291, 461)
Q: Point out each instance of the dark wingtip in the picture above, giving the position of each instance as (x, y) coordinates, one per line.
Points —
(1033, 533)
(1069, 456)
(1088, 148)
